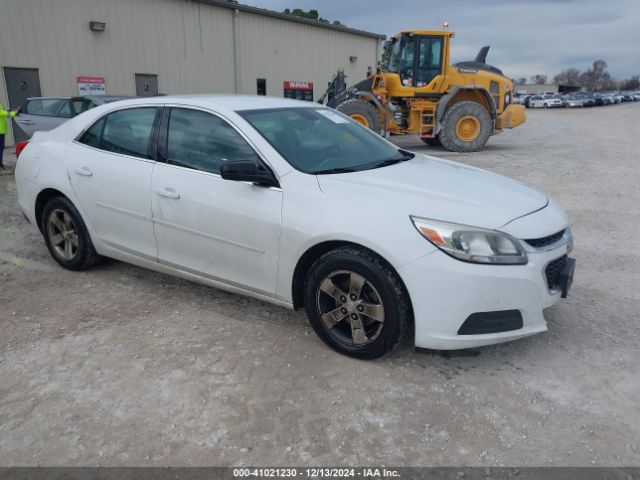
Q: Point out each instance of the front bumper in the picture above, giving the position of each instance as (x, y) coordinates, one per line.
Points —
(445, 292)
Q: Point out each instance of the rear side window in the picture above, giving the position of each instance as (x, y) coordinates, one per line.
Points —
(126, 132)
(92, 136)
(82, 105)
(46, 107)
(204, 142)
(65, 110)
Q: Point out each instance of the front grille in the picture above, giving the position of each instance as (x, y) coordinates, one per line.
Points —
(552, 272)
(545, 241)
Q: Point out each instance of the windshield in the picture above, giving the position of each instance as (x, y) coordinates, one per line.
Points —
(322, 141)
(400, 59)
(391, 53)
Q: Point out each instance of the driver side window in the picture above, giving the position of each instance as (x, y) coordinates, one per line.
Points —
(204, 142)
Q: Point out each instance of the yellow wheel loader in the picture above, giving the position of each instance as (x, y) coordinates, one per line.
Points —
(416, 90)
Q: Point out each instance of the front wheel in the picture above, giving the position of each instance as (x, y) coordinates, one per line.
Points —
(466, 127)
(66, 235)
(362, 112)
(356, 303)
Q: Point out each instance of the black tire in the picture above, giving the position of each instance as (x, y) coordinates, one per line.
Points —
(83, 255)
(432, 142)
(448, 136)
(355, 106)
(382, 287)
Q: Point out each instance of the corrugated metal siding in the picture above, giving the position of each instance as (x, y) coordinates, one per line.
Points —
(189, 45)
(142, 36)
(279, 51)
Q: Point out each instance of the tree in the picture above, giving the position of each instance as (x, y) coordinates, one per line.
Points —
(539, 79)
(597, 77)
(521, 81)
(310, 15)
(632, 83)
(570, 76)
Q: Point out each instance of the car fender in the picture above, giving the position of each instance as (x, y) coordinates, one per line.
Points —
(311, 217)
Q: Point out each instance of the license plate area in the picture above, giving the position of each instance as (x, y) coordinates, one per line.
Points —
(566, 276)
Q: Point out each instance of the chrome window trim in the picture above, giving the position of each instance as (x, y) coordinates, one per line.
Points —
(125, 107)
(250, 142)
(107, 152)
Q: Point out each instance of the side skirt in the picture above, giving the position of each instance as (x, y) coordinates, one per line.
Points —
(152, 264)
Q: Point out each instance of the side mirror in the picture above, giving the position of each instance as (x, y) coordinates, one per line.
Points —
(248, 172)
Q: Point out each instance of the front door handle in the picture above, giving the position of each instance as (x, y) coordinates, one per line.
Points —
(168, 193)
(84, 171)
(26, 122)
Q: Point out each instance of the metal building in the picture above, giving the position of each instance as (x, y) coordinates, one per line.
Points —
(145, 47)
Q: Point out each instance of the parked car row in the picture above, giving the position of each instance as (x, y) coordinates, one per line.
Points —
(576, 99)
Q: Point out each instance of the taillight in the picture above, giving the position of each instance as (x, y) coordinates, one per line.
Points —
(20, 146)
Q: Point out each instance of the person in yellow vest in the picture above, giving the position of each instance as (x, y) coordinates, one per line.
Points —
(4, 115)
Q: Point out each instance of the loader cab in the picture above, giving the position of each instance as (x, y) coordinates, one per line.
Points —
(417, 58)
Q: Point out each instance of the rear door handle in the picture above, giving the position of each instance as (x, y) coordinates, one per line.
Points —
(168, 193)
(84, 171)
(26, 122)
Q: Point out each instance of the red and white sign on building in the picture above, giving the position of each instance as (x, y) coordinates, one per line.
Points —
(298, 90)
(91, 86)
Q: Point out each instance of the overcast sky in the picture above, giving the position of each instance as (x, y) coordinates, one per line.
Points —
(526, 36)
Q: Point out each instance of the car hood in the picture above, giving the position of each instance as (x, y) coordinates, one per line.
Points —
(437, 189)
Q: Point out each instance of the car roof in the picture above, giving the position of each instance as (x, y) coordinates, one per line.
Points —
(106, 98)
(48, 98)
(227, 102)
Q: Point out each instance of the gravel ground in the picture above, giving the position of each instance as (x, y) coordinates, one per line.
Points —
(122, 366)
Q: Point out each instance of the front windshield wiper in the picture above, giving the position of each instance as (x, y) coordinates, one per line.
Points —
(393, 160)
(404, 156)
(335, 170)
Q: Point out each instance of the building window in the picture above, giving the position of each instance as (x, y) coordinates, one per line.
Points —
(261, 84)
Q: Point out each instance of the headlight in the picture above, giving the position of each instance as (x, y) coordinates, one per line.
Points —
(472, 244)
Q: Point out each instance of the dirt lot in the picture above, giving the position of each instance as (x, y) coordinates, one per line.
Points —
(119, 365)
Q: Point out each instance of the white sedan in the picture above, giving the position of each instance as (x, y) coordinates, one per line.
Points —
(545, 102)
(297, 205)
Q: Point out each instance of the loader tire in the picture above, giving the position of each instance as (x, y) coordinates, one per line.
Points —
(362, 112)
(466, 127)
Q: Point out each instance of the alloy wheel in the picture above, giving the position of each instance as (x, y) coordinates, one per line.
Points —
(63, 234)
(350, 307)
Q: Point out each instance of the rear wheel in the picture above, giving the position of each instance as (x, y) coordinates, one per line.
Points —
(466, 127)
(362, 112)
(66, 235)
(356, 303)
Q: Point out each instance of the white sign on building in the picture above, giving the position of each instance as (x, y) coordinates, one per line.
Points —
(91, 86)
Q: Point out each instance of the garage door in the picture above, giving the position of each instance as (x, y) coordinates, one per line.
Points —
(22, 83)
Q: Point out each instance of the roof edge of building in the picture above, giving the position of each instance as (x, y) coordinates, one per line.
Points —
(290, 18)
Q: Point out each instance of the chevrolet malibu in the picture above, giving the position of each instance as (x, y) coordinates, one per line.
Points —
(295, 204)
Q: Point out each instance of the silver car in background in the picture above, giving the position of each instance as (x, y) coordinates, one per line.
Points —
(46, 113)
(545, 102)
